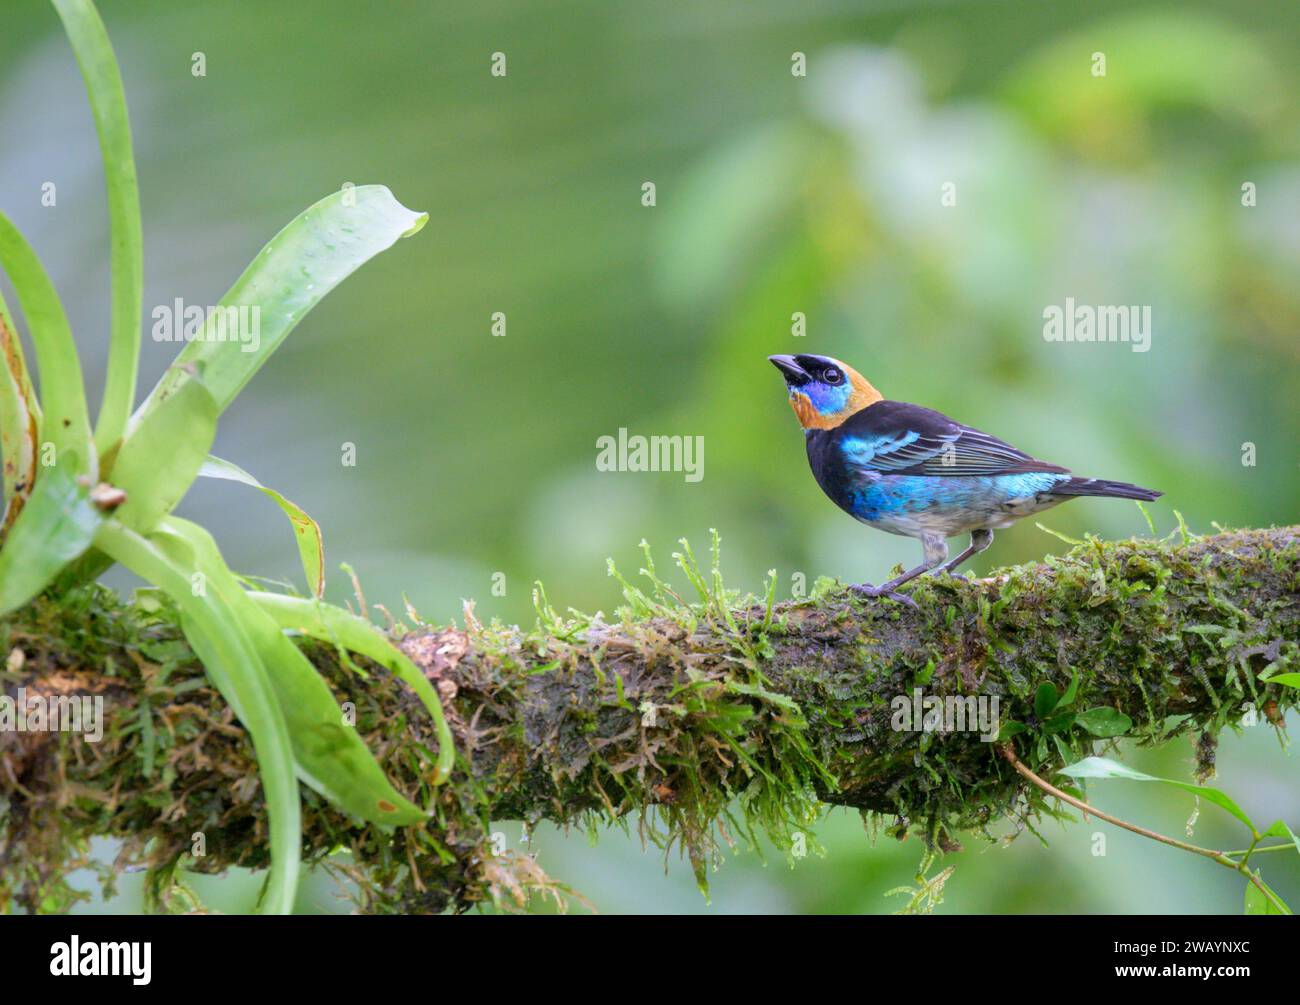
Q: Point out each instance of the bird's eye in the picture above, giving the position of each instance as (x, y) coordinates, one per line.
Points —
(832, 376)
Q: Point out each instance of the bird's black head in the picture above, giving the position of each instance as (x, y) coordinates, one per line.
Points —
(823, 391)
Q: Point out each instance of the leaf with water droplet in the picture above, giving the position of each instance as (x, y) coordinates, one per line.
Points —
(273, 283)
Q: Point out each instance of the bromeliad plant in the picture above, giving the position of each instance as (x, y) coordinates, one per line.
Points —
(78, 500)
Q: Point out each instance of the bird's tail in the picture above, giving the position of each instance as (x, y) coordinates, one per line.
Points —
(1101, 487)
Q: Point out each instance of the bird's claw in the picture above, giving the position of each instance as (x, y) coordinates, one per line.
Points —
(876, 592)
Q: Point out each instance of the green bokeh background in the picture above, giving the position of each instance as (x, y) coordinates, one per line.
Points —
(776, 194)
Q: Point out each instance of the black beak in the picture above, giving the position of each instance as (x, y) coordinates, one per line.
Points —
(795, 375)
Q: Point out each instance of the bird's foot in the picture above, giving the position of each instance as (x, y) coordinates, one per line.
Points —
(875, 592)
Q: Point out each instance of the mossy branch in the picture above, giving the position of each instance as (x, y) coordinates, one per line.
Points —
(701, 724)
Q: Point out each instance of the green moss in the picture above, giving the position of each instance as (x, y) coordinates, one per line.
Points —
(704, 724)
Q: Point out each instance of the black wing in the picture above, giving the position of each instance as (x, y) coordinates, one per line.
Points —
(893, 437)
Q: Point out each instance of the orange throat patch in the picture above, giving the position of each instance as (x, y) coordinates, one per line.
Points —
(862, 395)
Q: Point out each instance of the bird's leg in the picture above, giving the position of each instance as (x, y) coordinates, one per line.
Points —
(936, 550)
(979, 541)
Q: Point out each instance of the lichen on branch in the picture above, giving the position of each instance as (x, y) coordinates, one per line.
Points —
(700, 724)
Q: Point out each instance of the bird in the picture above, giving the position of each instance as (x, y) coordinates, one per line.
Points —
(910, 470)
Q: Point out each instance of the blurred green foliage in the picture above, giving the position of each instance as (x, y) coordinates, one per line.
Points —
(775, 194)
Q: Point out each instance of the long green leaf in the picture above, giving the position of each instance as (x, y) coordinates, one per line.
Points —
(65, 423)
(343, 628)
(57, 520)
(319, 249)
(232, 663)
(56, 525)
(159, 461)
(20, 418)
(311, 545)
(330, 755)
(1102, 767)
(94, 54)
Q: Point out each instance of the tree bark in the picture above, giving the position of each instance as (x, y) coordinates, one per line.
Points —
(703, 724)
